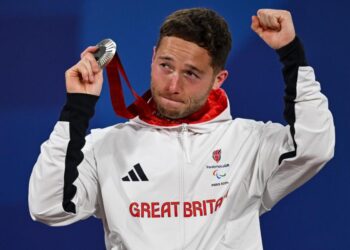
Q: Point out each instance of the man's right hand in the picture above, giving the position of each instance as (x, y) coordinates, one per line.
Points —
(86, 76)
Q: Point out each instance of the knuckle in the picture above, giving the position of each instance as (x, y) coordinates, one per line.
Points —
(85, 55)
(286, 13)
(85, 62)
(90, 57)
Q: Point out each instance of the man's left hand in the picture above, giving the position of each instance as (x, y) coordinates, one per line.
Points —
(275, 27)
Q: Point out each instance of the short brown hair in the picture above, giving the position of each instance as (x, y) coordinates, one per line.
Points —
(203, 27)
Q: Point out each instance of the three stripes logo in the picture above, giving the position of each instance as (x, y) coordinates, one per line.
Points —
(137, 175)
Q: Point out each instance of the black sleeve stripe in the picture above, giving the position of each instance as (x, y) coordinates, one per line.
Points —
(77, 111)
(292, 56)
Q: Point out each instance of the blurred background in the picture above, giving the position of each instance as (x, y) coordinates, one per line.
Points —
(41, 39)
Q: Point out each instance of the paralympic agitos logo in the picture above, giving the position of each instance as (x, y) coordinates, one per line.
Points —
(218, 174)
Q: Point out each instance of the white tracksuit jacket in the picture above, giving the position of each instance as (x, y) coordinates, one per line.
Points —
(191, 186)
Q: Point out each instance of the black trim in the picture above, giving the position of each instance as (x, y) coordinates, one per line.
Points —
(78, 110)
(292, 56)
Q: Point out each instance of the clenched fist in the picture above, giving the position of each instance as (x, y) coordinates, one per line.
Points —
(275, 27)
(86, 76)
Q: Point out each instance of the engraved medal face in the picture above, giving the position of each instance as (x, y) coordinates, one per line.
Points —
(104, 55)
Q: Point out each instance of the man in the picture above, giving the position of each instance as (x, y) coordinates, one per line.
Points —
(185, 176)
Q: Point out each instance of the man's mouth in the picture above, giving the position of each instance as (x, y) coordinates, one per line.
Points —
(172, 101)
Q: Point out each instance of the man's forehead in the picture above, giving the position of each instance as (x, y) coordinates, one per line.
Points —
(174, 48)
(178, 41)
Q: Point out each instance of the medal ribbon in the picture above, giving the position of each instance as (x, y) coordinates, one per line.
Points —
(139, 106)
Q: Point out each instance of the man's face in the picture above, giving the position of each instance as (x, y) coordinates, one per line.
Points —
(182, 77)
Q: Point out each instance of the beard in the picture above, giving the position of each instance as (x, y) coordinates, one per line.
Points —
(190, 105)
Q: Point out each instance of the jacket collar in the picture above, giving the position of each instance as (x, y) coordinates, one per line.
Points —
(215, 109)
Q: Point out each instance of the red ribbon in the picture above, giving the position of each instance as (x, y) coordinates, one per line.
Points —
(139, 106)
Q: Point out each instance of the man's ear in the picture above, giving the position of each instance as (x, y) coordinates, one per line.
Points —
(220, 78)
(154, 53)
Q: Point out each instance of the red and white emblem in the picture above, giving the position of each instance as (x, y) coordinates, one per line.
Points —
(217, 155)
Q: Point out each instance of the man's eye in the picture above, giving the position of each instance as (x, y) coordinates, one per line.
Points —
(164, 65)
(191, 74)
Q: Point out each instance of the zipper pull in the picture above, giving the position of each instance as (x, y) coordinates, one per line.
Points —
(184, 136)
(183, 128)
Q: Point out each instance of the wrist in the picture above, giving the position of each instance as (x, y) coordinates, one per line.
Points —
(78, 105)
(293, 52)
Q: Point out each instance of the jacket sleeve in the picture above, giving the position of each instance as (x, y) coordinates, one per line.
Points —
(63, 185)
(290, 155)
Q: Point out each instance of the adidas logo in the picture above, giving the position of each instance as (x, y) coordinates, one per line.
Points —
(139, 175)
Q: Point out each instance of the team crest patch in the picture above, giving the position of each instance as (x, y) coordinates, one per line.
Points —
(220, 171)
(217, 155)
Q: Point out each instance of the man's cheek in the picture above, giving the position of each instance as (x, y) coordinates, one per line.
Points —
(156, 72)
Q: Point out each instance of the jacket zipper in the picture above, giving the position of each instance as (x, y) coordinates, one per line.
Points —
(184, 145)
(185, 141)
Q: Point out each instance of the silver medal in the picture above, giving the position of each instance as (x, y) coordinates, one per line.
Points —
(106, 51)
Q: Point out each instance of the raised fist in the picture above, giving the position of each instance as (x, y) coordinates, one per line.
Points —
(275, 27)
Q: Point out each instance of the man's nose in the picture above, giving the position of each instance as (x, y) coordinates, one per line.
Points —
(174, 83)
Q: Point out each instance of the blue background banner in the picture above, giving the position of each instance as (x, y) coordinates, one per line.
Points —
(41, 39)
